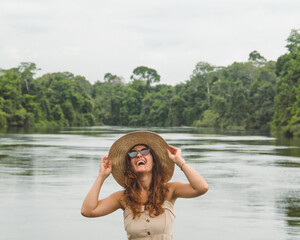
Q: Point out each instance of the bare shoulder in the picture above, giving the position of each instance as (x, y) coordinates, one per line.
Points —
(185, 190)
(172, 186)
(115, 199)
(118, 196)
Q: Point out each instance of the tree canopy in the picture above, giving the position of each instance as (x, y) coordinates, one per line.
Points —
(257, 94)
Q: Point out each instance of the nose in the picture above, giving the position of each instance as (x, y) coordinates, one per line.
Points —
(139, 153)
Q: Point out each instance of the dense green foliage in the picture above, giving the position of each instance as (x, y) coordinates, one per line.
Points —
(257, 94)
(53, 99)
(287, 100)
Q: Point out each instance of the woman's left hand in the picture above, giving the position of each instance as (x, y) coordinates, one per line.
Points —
(175, 155)
(196, 186)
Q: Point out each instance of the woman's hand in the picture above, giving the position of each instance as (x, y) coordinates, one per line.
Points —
(105, 167)
(92, 206)
(175, 155)
(196, 186)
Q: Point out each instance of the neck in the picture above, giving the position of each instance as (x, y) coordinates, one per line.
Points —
(144, 181)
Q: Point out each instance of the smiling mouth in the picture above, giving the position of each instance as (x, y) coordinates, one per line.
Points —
(140, 163)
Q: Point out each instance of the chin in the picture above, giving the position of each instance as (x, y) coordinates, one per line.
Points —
(142, 170)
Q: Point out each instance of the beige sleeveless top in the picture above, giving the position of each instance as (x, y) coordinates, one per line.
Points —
(146, 227)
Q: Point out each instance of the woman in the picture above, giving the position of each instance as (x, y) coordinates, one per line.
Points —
(143, 163)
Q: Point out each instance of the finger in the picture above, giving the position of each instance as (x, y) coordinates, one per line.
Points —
(172, 147)
(173, 150)
(103, 162)
(109, 165)
(169, 153)
(104, 159)
(178, 151)
(106, 163)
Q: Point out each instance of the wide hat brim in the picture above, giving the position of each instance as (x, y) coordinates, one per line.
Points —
(119, 150)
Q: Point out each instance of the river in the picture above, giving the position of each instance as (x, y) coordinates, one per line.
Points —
(254, 183)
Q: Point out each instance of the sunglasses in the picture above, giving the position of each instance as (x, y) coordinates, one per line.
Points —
(134, 153)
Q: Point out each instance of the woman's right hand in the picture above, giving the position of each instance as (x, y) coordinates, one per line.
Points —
(105, 167)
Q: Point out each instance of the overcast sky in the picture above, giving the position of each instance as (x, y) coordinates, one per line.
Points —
(93, 37)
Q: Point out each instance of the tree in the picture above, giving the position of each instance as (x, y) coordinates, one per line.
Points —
(176, 107)
(114, 79)
(3, 121)
(26, 71)
(68, 112)
(145, 74)
(261, 97)
(230, 94)
(57, 113)
(201, 72)
(210, 119)
(293, 40)
(155, 106)
(286, 117)
(256, 58)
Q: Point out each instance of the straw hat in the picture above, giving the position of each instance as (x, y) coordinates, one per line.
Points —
(119, 150)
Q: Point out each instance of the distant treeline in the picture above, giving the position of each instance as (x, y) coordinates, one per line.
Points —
(257, 94)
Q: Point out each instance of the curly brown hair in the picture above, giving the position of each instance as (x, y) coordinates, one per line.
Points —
(157, 191)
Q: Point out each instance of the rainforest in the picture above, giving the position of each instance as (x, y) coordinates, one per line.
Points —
(257, 94)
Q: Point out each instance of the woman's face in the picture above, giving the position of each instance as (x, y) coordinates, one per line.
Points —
(141, 163)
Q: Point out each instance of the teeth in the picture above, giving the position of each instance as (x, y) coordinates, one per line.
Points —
(140, 162)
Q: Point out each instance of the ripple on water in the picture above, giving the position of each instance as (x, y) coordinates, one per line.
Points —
(254, 183)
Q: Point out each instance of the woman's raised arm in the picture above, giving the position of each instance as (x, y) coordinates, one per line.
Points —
(197, 185)
(92, 207)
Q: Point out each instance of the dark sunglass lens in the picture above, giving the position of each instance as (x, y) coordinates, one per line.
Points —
(132, 154)
(145, 151)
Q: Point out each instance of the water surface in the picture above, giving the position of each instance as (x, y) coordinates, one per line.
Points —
(254, 184)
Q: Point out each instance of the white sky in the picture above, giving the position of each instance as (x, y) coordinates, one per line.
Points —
(93, 37)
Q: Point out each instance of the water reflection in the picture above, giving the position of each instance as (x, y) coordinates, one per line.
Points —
(254, 183)
(293, 150)
(289, 204)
